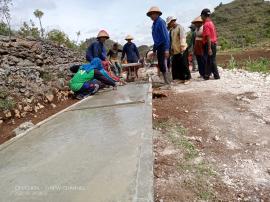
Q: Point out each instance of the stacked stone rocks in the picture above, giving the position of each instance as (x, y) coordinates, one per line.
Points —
(33, 73)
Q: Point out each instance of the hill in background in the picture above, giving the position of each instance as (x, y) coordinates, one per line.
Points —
(242, 23)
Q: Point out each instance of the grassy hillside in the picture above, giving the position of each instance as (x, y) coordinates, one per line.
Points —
(242, 23)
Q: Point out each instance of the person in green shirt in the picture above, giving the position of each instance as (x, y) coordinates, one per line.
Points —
(89, 78)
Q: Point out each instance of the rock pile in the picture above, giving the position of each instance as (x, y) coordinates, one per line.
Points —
(33, 73)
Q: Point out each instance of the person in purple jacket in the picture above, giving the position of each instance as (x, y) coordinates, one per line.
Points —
(161, 41)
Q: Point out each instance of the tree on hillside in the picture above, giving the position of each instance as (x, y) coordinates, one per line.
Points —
(4, 29)
(57, 36)
(78, 36)
(29, 30)
(5, 12)
(39, 14)
(61, 38)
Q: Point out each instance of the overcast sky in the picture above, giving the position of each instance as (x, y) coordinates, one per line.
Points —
(118, 17)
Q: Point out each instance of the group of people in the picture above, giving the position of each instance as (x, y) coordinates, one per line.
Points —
(170, 48)
(104, 69)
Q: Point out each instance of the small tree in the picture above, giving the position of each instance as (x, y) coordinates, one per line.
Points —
(57, 36)
(39, 14)
(29, 30)
(5, 12)
(4, 29)
(78, 36)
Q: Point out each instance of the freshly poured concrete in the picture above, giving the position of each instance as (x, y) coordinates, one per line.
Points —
(85, 154)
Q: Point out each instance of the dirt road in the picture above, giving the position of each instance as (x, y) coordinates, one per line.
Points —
(213, 140)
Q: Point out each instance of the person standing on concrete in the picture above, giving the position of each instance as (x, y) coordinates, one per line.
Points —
(97, 49)
(130, 50)
(179, 52)
(210, 45)
(198, 46)
(161, 41)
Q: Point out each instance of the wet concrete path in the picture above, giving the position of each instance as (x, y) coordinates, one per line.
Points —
(100, 150)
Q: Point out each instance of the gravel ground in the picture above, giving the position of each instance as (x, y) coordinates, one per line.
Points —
(228, 123)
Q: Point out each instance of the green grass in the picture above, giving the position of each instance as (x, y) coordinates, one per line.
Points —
(46, 76)
(206, 195)
(199, 174)
(6, 104)
(201, 169)
(3, 94)
(258, 65)
(232, 63)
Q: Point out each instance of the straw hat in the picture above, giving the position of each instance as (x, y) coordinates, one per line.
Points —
(104, 34)
(129, 37)
(170, 19)
(154, 9)
(198, 19)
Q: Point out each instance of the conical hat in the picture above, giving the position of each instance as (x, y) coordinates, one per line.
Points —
(198, 19)
(154, 9)
(129, 37)
(104, 34)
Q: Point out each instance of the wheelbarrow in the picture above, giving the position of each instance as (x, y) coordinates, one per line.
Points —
(132, 70)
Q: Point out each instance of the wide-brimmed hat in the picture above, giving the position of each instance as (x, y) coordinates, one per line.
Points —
(102, 34)
(197, 19)
(153, 9)
(129, 37)
(170, 19)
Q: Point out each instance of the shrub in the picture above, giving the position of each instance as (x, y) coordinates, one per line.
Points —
(232, 63)
(224, 43)
(4, 29)
(6, 104)
(258, 65)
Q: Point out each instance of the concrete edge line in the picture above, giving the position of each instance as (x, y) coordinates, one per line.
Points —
(106, 106)
(145, 155)
(14, 139)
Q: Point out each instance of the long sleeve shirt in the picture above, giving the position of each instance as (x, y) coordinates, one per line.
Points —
(113, 54)
(96, 50)
(131, 50)
(160, 35)
(178, 40)
(96, 64)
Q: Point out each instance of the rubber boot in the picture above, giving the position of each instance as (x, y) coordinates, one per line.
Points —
(166, 78)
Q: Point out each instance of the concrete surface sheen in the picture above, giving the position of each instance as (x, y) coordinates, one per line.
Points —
(102, 154)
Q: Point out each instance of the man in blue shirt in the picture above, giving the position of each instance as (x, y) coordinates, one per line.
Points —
(97, 49)
(131, 50)
(161, 41)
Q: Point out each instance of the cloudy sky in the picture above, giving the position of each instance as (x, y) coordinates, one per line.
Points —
(118, 17)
